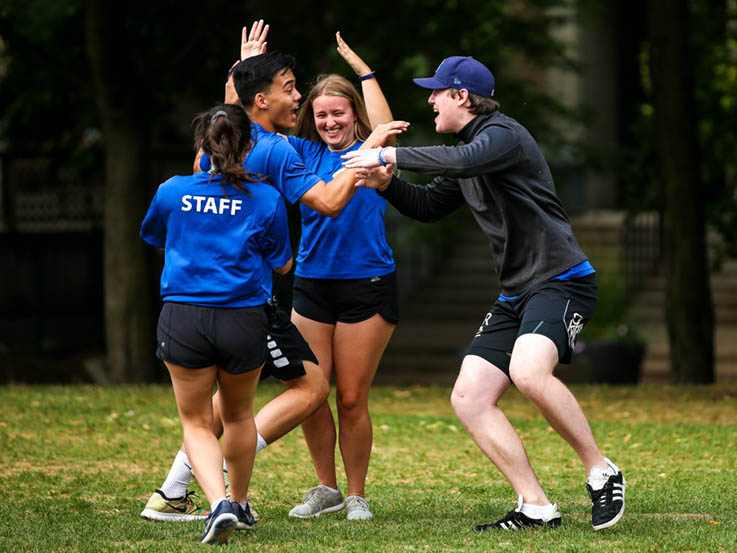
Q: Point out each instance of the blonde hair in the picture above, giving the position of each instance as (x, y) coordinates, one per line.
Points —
(332, 85)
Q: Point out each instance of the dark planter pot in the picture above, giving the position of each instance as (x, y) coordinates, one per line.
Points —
(615, 362)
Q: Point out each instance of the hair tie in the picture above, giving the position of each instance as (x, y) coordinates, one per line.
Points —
(217, 114)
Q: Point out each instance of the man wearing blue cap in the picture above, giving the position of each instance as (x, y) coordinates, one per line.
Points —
(548, 287)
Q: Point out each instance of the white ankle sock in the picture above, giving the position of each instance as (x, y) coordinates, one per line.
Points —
(260, 442)
(178, 478)
(334, 490)
(537, 511)
(214, 504)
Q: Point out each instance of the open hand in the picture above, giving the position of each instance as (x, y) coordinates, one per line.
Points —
(357, 64)
(254, 42)
(378, 177)
(365, 158)
(382, 132)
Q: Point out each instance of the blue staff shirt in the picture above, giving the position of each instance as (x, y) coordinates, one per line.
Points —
(219, 249)
(351, 245)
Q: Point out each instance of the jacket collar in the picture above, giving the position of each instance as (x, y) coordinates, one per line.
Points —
(472, 128)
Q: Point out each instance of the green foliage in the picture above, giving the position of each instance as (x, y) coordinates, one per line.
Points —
(78, 464)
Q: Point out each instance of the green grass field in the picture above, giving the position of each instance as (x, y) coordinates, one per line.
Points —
(77, 465)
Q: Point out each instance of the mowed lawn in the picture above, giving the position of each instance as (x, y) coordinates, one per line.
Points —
(77, 464)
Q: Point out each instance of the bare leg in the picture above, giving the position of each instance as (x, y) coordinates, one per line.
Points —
(475, 395)
(319, 428)
(357, 350)
(193, 393)
(533, 359)
(239, 431)
(286, 411)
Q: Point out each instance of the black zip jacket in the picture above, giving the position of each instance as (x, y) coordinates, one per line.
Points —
(498, 170)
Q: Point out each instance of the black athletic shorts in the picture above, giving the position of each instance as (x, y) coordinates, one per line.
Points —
(287, 350)
(328, 300)
(195, 337)
(557, 309)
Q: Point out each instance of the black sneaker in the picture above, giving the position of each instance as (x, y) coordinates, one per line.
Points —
(246, 520)
(220, 524)
(515, 520)
(606, 488)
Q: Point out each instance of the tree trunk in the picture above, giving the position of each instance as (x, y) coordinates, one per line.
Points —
(689, 310)
(120, 102)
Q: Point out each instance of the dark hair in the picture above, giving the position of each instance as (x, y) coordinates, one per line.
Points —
(332, 85)
(224, 133)
(478, 104)
(256, 74)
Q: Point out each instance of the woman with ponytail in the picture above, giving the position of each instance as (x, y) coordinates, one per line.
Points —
(223, 232)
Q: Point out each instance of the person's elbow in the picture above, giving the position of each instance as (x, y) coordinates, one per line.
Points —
(322, 202)
(283, 270)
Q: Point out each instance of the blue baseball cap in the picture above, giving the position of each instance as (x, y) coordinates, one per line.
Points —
(461, 72)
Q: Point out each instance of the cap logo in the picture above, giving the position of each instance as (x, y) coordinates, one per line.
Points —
(456, 80)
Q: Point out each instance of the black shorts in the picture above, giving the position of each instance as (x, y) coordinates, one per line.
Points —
(287, 350)
(195, 337)
(329, 300)
(557, 309)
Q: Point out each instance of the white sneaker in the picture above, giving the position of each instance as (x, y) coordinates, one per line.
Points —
(318, 501)
(357, 508)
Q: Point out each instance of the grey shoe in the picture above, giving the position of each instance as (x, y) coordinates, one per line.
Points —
(318, 501)
(357, 508)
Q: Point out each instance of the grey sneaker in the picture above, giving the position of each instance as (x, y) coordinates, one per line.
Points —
(357, 508)
(318, 501)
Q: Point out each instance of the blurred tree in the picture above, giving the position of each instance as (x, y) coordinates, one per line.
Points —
(682, 162)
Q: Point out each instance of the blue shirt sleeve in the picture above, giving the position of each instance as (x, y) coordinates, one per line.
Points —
(286, 169)
(275, 158)
(153, 227)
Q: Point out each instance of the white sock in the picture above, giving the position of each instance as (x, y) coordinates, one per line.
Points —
(260, 442)
(178, 478)
(214, 504)
(600, 474)
(334, 490)
(537, 511)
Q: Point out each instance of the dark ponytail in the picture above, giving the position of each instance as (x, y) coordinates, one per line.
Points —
(224, 133)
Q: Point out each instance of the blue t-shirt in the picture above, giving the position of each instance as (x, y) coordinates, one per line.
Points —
(272, 157)
(351, 245)
(219, 249)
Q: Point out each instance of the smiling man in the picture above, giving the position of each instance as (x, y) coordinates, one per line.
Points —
(548, 286)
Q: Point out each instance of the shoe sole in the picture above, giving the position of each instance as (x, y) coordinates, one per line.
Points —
(221, 529)
(150, 514)
(332, 509)
(362, 517)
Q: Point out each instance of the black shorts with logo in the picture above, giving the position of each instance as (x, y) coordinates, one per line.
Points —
(195, 336)
(287, 350)
(328, 300)
(557, 309)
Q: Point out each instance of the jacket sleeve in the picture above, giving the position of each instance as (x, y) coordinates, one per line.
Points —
(496, 148)
(425, 203)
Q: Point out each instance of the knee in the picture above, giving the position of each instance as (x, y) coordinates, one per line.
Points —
(318, 390)
(314, 389)
(529, 382)
(463, 399)
(352, 404)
